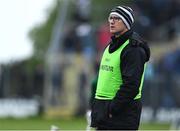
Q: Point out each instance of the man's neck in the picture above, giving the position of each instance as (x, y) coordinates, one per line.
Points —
(122, 37)
(118, 34)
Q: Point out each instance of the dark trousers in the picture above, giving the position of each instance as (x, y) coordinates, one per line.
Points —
(127, 119)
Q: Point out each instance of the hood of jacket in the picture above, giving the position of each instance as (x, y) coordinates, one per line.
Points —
(137, 40)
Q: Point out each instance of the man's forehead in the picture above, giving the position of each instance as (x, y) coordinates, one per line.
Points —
(113, 15)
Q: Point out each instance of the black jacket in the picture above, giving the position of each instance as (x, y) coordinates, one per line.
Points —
(124, 109)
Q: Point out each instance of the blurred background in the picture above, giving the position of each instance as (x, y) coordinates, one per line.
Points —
(50, 52)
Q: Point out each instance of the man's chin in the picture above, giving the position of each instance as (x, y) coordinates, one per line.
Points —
(113, 32)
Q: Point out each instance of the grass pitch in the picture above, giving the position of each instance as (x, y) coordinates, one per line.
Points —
(39, 123)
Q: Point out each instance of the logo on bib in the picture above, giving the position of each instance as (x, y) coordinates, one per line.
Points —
(107, 68)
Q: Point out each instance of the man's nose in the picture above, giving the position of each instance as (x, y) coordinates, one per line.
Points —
(111, 21)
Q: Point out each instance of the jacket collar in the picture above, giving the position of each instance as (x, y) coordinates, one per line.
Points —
(122, 38)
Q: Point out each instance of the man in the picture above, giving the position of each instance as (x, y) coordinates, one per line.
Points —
(117, 103)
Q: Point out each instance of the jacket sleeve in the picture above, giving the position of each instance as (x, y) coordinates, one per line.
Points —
(132, 66)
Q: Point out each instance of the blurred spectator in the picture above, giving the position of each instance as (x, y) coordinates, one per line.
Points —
(170, 64)
(157, 15)
(71, 41)
(148, 84)
(83, 8)
(56, 84)
(82, 106)
(25, 89)
(38, 81)
(85, 34)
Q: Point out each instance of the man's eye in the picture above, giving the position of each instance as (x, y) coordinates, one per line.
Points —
(116, 18)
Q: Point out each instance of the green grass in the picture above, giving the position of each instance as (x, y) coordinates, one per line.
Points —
(42, 124)
(154, 126)
(63, 124)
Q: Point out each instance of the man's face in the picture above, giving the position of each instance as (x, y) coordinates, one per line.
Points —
(116, 24)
